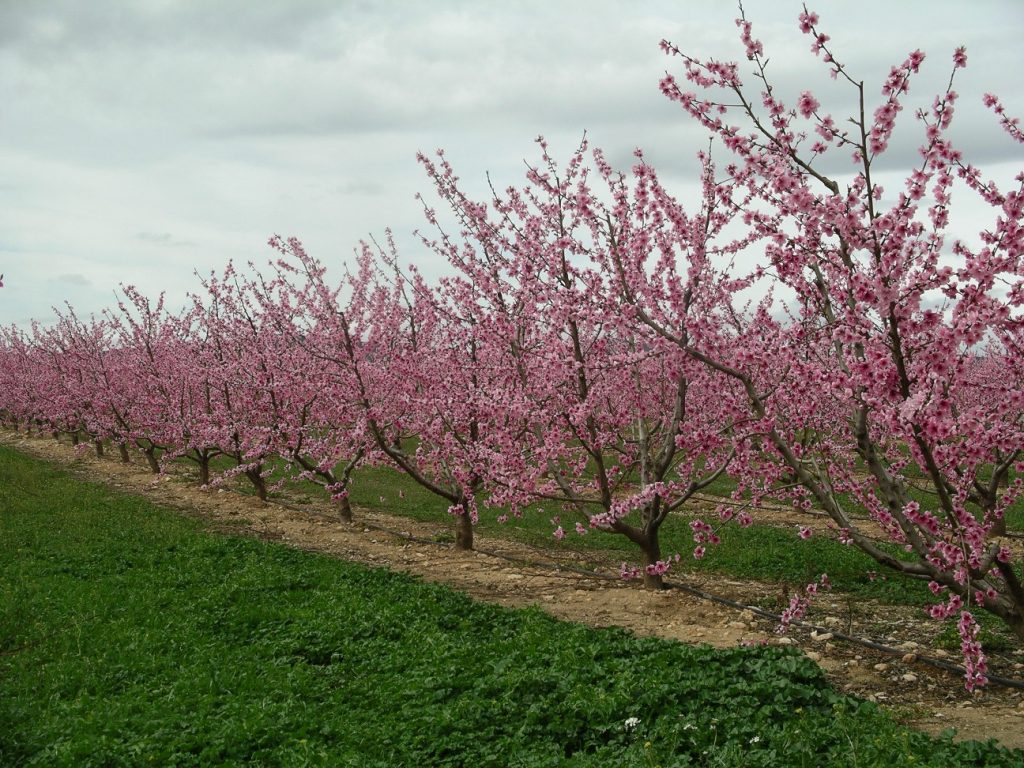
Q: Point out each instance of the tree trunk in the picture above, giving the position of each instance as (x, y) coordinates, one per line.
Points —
(122, 448)
(74, 437)
(1016, 625)
(998, 527)
(651, 550)
(204, 469)
(99, 447)
(150, 454)
(464, 530)
(258, 482)
(345, 509)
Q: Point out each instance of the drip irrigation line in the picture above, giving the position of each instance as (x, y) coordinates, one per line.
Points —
(862, 641)
(799, 510)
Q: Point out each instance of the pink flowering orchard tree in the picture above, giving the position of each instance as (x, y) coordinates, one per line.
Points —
(620, 428)
(892, 317)
(420, 367)
(150, 345)
(73, 351)
(19, 379)
(315, 419)
(236, 353)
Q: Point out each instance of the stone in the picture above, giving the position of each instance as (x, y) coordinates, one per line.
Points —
(821, 638)
(909, 677)
(909, 658)
(814, 656)
(880, 667)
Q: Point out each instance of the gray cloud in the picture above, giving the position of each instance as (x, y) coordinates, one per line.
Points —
(164, 239)
(72, 278)
(200, 128)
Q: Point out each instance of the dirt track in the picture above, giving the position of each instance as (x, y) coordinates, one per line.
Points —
(513, 574)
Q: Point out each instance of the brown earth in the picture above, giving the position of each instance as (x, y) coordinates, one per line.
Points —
(559, 581)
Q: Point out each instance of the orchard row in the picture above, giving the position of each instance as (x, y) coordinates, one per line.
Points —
(601, 346)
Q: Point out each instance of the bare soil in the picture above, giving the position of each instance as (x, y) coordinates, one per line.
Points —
(569, 587)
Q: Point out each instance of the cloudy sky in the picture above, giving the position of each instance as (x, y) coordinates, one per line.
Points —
(144, 140)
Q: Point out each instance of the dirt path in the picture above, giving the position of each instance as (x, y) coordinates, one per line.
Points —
(513, 574)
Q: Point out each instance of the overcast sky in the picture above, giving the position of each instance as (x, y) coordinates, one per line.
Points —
(144, 140)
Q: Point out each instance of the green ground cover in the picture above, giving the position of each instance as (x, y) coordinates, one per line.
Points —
(129, 635)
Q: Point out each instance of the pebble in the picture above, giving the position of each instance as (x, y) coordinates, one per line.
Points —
(821, 638)
(909, 677)
(909, 658)
(737, 625)
(814, 656)
(784, 641)
(880, 667)
(746, 615)
(832, 621)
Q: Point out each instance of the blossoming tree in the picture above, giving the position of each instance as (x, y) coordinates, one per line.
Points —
(897, 314)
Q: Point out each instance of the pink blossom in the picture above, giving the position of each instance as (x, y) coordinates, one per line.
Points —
(807, 104)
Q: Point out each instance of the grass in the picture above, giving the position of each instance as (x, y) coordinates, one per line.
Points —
(131, 636)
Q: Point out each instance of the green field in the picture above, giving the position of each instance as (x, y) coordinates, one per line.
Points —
(129, 635)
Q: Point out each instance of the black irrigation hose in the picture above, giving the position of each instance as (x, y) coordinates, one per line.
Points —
(862, 641)
(799, 510)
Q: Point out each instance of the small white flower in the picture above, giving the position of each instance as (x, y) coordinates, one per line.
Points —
(631, 723)
(755, 740)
